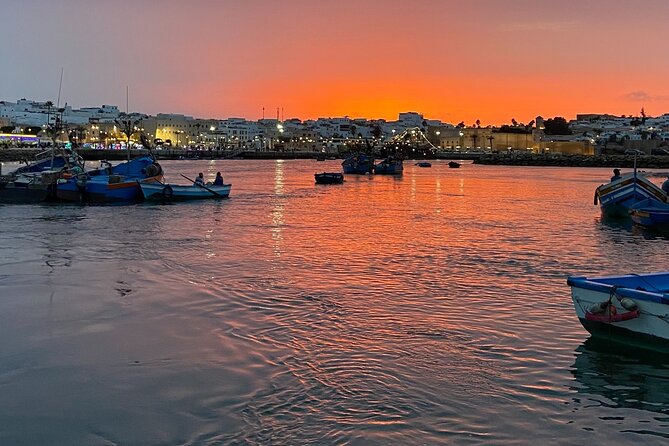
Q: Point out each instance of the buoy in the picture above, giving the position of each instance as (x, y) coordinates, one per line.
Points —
(628, 304)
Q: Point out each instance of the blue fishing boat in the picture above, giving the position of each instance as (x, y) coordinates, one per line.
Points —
(358, 163)
(651, 213)
(389, 166)
(329, 178)
(617, 198)
(628, 308)
(111, 184)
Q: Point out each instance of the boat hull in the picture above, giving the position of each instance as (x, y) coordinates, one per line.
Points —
(389, 168)
(650, 213)
(329, 178)
(173, 192)
(10, 194)
(650, 329)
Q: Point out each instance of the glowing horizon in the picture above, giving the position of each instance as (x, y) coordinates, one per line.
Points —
(492, 61)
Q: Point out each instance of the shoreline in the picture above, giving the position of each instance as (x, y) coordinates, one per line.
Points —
(503, 159)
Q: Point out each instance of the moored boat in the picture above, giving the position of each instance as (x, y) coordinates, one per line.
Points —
(329, 178)
(453, 164)
(650, 213)
(424, 164)
(111, 184)
(36, 181)
(628, 308)
(617, 198)
(358, 163)
(156, 191)
(28, 188)
(389, 166)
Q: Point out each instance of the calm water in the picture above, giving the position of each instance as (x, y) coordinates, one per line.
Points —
(427, 309)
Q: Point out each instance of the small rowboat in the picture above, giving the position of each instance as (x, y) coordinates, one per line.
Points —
(424, 164)
(329, 178)
(453, 164)
(176, 192)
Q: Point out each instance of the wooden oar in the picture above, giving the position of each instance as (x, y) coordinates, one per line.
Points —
(202, 186)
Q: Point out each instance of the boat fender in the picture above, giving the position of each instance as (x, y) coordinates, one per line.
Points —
(152, 170)
(168, 192)
(628, 304)
(599, 308)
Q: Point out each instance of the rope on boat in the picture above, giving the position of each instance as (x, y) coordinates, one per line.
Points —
(606, 312)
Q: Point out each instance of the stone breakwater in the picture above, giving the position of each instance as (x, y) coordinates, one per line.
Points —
(28, 154)
(625, 161)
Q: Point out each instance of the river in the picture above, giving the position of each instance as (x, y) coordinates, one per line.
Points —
(430, 308)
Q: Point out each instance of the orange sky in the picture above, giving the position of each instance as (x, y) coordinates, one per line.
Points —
(491, 60)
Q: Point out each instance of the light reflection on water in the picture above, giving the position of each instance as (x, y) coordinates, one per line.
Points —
(429, 308)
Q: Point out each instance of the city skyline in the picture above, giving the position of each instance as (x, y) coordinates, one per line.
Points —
(492, 61)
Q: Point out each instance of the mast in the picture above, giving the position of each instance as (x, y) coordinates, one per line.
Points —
(127, 111)
(60, 86)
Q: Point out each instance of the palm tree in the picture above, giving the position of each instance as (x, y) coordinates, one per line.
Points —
(128, 126)
(475, 138)
(491, 139)
(48, 104)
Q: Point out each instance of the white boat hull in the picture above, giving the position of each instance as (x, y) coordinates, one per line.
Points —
(175, 192)
(650, 328)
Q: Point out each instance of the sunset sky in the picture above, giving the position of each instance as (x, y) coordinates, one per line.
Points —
(491, 60)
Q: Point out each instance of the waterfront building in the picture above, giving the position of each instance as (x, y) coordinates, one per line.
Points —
(34, 113)
(171, 128)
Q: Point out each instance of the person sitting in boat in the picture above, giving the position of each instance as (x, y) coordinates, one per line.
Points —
(200, 179)
(219, 179)
(616, 175)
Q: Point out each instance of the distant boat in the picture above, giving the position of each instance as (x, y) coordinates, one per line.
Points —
(424, 164)
(358, 163)
(453, 164)
(320, 157)
(329, 178)
(617, 198)
(629, 308)
(389, 166)
(174, 192)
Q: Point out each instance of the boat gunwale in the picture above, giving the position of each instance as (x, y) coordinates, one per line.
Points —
(596, 284)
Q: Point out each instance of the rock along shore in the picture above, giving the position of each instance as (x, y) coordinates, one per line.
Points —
(625, 161)
(28, 154)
